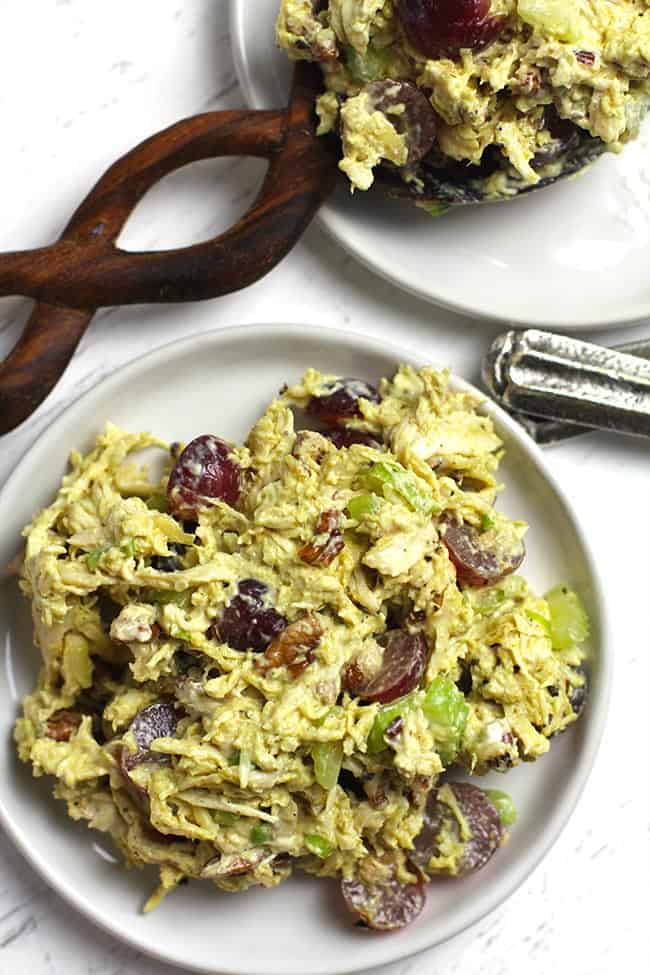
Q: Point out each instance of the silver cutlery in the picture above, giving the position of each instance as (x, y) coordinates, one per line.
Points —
(558, 387)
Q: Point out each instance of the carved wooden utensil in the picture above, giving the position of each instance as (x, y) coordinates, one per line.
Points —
(85, 270)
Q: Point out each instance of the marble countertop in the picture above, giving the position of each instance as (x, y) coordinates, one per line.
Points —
(80, 83)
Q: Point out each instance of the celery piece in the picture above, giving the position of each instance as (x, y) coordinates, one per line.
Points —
(318, 845)
(376, 742)
(180, 634)
(415, 491)
(163, 596)
(559, 19)
(327, 757)
(130, 548)
(538, 618)
(446, 711)
(93, 558)
(569, 620)
(224, 818)
(233, 758)
(363, 505)
(490, 600)
(261, 834)
(487, 521)
(157, 502)
(370, 66)
(504, 806)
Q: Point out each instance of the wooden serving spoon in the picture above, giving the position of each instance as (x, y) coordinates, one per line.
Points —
(85, 270)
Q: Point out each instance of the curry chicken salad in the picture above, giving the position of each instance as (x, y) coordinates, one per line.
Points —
(270, 657)
(461, 101)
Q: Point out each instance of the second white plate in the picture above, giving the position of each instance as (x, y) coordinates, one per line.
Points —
(572, 256)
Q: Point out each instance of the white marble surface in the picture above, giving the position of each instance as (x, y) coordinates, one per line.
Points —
(81, 81)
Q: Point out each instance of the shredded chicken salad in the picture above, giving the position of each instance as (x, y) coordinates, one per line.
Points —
(270, 656)
(470, 100)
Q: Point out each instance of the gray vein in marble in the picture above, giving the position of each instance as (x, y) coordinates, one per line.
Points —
(26, 926)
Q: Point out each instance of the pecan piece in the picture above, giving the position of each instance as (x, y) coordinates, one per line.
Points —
(61, 725)
(295, 647)
(327, 541)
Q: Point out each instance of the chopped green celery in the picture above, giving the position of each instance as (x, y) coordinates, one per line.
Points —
(559, 19)
(233, 758)
(157, 502)
(538, 618)
(318, 845)
(224, 818)
(163, 596)
(514, 587)
(504, 806)
(376, 742)
(569, 620)
(261, 834)
(446, 711)
(415, 491)
(93, 558)
(434, 208)
(371, 66)
(180, 634)
(327, 757)
(130, 548)
(335, 710)
(488, 521)
(490, 600)
(363, 505)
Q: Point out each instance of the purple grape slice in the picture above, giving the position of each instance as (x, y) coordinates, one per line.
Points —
(385, 907)
(247, 622)
(340, 401)
(204, 470)
(482, 819)
(403, 664)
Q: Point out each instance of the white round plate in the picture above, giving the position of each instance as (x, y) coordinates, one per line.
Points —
(571, 256)
(220, 383)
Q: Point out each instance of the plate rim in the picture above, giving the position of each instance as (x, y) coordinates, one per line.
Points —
(360, 343)
(329, 220)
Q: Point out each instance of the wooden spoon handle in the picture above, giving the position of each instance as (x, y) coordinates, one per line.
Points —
(85, 269)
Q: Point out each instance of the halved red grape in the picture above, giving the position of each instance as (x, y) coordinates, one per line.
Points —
(387, 906)
(415, 118)
(248, 623)
(204, 470)
(403, 664)
(481, 817)
(481, 561)
(340, 401)
(346, 438)
(441, 28)
(155, 721)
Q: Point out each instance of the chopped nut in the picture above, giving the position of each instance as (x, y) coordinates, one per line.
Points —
(294, 648)
(62, 724)
(327, 542)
